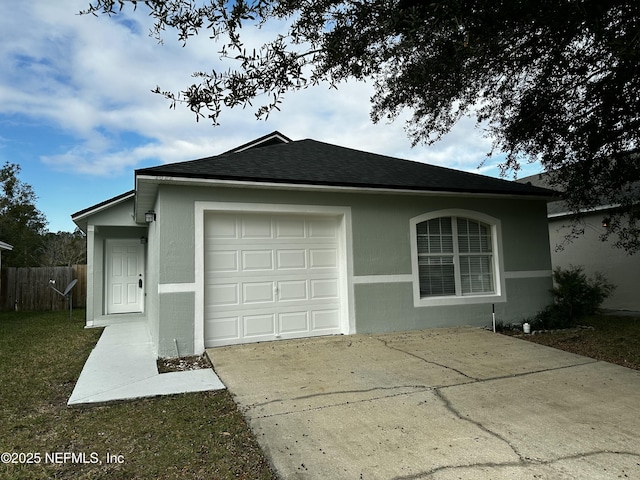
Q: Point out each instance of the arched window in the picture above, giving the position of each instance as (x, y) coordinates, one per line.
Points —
(455, 256)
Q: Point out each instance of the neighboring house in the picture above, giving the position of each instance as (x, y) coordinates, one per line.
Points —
(284, 239)
(4, 246)
(589, 251)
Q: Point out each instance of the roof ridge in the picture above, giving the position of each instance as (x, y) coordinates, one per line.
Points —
(269, 139)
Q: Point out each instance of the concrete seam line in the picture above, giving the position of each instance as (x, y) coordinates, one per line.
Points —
(525, 374)
(386, 344)
(419, 389)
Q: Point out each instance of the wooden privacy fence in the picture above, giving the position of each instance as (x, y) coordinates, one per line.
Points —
(30, 289)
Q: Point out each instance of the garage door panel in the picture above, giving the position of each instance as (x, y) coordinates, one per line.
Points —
(293, 290)
(323, 258)
(290, 228)
(294, 322)
(257, 292)
(259, 325)
(270, 276)
(291, 259)
(322, 228)
(224, 228)
(326, 288)
(255, 260)
(223, 294)
(225, 328)
(256, 228)
(325, 320)
(223, 261)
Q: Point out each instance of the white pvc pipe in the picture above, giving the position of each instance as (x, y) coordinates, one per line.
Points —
(493, 316)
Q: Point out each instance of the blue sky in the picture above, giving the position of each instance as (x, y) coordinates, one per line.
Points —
(77, 113)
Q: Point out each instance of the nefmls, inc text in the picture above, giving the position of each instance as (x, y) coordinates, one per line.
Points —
(60, 458)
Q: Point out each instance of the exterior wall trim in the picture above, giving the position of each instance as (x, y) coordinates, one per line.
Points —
(345, 242)
(398, 278)
(176, 288)
(528, 274)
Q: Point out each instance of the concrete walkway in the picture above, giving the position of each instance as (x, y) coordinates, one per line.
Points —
(437, 404)
(122, 366)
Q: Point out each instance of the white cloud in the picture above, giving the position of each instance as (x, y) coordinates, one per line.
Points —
(91, 77)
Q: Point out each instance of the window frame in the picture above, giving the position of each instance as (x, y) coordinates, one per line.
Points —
(499, 293)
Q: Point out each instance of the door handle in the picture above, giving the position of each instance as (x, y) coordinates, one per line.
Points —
(140, 283)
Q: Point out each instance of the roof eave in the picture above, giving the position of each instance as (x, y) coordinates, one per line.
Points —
(586, 211)
(147, 186)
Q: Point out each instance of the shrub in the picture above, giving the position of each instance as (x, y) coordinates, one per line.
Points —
(575, 296)
(507, 327)
(578, 296)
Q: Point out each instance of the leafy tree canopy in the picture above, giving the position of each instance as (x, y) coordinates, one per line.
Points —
(555, 81)
(21, 223)
(64, 249)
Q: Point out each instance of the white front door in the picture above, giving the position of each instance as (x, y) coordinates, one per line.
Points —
(125, 271)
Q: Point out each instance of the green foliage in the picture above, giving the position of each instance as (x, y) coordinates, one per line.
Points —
(575, 296)
(22, 226)
(64, 249)
(578, 295)
(553, 81)
(21, 223)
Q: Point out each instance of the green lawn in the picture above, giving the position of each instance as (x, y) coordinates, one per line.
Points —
(190, 436)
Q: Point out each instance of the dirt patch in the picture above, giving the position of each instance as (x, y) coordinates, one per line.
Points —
(614, 339)
(194, 362)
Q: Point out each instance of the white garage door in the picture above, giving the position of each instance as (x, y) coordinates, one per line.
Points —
(270, 276)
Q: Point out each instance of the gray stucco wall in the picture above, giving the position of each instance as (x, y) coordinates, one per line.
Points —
(380, 246)
(388, 307)
(380, 226)
(175, 220)
(594, 255)
(177, 311)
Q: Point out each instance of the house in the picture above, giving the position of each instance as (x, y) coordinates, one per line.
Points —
(282, 239)
(589, 251)
(4, 246)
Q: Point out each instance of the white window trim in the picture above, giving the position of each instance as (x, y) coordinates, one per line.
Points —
(498, 296)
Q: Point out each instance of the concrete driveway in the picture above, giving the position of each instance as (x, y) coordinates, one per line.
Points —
(442, 404)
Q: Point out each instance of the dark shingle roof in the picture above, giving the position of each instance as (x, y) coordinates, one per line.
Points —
(561, 208)
(309, 162)
(104, 203)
